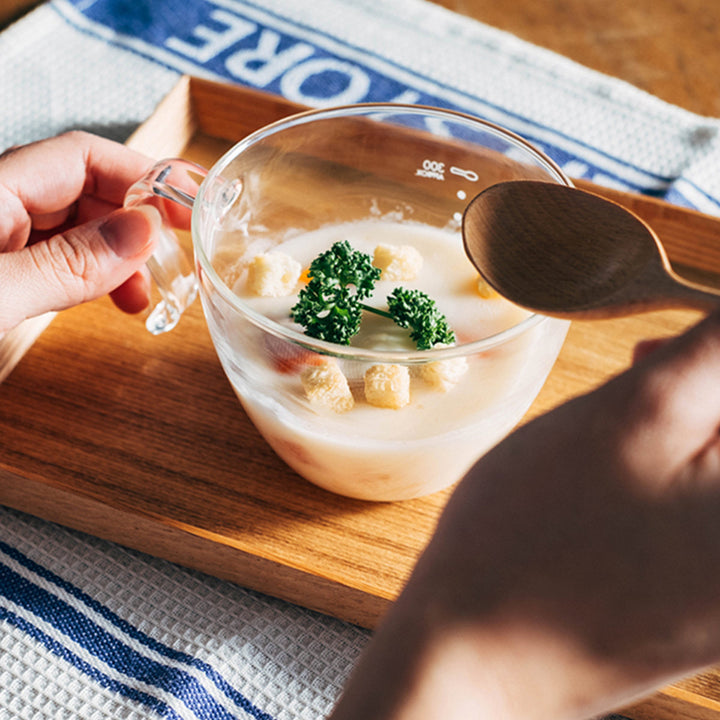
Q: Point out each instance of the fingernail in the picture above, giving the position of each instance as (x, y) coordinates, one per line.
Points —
(128, 232)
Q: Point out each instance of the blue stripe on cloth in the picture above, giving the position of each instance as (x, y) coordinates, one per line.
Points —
(71, 621)
(102, 679)
(440, 101)
(243, 42)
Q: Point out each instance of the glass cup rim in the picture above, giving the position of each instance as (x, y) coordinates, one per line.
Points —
(350, 352)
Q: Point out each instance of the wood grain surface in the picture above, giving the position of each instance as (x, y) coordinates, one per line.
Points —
(13, 9)
(669, 48)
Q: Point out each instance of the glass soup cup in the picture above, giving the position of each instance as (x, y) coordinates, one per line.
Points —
(368, 173)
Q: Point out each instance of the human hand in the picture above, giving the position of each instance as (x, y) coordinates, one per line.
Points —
(64, 237)
(575, 567)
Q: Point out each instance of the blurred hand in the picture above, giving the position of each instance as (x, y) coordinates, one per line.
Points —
(64, 237)
(576, 566)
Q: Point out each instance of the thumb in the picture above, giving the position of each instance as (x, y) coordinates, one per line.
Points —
(72, 267)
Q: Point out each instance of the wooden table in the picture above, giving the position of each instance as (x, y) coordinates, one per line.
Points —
(670, 48)
(12, 9)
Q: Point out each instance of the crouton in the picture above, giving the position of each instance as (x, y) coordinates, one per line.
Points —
(387, 386)
(398, 262)
(273, 274)
(326, 386)
(443, 375)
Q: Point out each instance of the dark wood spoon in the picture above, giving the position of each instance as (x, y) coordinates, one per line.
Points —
(565, 252)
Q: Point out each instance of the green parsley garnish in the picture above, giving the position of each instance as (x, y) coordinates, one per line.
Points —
(329, 307)
(415, 310)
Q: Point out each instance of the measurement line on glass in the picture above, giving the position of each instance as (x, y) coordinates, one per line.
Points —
(470, 175)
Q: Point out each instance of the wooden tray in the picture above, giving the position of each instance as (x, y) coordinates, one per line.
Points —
(140, 440)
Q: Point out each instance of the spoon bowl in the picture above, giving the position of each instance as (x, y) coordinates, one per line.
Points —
(568, 253)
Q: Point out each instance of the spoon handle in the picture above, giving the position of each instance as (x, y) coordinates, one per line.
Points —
(657, 287)
(686, 293)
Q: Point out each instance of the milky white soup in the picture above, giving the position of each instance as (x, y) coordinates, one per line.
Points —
(457, 402)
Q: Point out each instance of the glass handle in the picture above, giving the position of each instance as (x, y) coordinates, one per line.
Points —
(170, 188)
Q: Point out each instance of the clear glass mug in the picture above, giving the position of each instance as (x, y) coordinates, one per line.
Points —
(363, 169)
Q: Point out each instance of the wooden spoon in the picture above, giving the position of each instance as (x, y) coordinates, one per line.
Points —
(568, 253)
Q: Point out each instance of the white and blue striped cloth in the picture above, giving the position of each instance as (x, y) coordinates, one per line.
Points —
(90, 630)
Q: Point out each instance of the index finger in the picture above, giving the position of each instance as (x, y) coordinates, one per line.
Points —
(50, 175)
